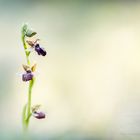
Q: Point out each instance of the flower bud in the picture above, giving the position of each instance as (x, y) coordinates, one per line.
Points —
(39, 50)
(30, 33)
(27, 76)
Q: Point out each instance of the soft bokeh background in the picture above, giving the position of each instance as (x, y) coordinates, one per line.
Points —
(89, 84)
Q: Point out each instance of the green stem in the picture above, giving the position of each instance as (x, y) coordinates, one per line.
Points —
(31, 83)
(24, 117)
(27, 53)
(27, 108)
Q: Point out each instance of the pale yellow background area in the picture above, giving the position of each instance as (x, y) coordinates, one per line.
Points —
(89, 83)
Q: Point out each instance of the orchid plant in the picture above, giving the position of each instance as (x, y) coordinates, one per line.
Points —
(28, 76)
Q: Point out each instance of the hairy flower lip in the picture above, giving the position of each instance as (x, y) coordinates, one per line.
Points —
(39, 115)
(39, 50)
(27, 76)
(36, 46)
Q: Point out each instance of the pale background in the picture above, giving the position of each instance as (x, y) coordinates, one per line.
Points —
(89, 83)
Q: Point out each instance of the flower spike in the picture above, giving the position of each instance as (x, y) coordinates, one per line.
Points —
(28, 75)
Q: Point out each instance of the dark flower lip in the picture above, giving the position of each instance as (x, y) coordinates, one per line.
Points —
(27, 76)
(39, 50)
(36, 46)
(39, 115)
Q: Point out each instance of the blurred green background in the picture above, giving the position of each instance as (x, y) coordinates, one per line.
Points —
(89, 83)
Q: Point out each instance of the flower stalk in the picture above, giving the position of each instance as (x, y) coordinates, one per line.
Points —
(25, 47)
(26, 32)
